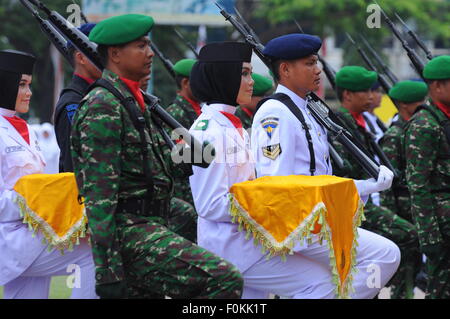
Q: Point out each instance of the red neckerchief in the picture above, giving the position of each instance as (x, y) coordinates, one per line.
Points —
(134, 88)
(88, 80)
(195, 106)
(21, 126)
(235, 121)
(359, 119)
(444, 108)
(248, 111)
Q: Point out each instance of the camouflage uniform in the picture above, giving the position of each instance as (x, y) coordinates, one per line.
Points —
(397, 199)
(380, 219)
(427, 154)
(183, 112)
(244, 117)
(136, 248)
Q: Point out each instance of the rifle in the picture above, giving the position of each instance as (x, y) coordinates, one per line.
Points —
(165, 61)
(415, 59)
(384, 83)
(89, 49)
(385, 68)
(55, 38)
(186, 42)
(246, 26)
(318, 108)
(416, 38)
(327, 68)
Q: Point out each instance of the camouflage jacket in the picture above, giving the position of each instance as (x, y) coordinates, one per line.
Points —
(108, 166)
(244, 117)
(351, 167)
(182, 111)
(427, 154)
(397, 198)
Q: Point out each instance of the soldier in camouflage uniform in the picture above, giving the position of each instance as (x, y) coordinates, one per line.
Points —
(353, 89)
(261, 89)
(135, 253)
(185, 109)
(407, 95)
(427, 154)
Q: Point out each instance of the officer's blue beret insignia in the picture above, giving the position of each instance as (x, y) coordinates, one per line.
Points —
(269, 125)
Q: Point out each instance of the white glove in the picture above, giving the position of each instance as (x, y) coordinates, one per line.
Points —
(369, 186)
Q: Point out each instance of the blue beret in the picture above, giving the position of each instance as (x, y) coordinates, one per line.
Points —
(86, 29)
(292, 46)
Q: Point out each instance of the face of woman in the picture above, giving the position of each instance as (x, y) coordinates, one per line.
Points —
(246, 89)
(24, 94)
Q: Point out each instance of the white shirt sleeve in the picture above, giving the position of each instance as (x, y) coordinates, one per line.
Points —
(210, 186)
(273, 146)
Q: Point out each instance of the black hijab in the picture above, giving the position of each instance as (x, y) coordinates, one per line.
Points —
(216, 76)
(12, 65)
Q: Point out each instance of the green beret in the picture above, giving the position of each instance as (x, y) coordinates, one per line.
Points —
(261, 85)
(355, 78)
(121, 29)
(438, 68)
(409, 91)
(184, 67)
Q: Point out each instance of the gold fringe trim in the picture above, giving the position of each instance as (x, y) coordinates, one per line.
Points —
(300, 234)
(37, 224)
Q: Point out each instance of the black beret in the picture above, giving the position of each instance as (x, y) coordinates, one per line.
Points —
(226, 52)
(16, 61)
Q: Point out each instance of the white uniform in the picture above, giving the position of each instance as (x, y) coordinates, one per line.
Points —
(276, 127)
(26, 266)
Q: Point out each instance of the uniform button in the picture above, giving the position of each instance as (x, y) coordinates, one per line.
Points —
(325, 157)
(309, 113)
(318, 133)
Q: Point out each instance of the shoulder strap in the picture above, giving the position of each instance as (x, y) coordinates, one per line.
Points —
(381, 125)
(369, 123)
(138, 122)
(286, 100)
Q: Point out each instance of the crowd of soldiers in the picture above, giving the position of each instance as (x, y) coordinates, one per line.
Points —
(143, 208)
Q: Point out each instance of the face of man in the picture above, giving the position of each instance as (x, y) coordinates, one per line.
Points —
(85, 67)
(377, 96)
(358, 102)
(134, 59)
(301, 76)
(440, 91)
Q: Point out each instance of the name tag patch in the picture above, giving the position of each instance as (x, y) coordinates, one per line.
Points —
(12, 149)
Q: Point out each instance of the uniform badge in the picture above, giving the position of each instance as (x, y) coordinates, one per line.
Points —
(272, 151)
(269, 125)
(202, 125)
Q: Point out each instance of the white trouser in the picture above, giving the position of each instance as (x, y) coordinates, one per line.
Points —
(307, 275)
(34, 282)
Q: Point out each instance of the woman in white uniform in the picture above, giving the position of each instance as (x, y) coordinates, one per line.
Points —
(26, 265)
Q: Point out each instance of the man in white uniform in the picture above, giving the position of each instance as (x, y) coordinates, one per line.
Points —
(26, 265)
(281, 146)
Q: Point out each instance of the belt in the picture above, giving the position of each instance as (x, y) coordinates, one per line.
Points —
(143, 207)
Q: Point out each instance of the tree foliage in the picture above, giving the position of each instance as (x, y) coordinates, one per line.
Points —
(323, 17)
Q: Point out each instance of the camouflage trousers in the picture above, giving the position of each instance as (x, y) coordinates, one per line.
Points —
(182, 190)
(384, 222)
(182, 219)
(439, 276)
(159, 262)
